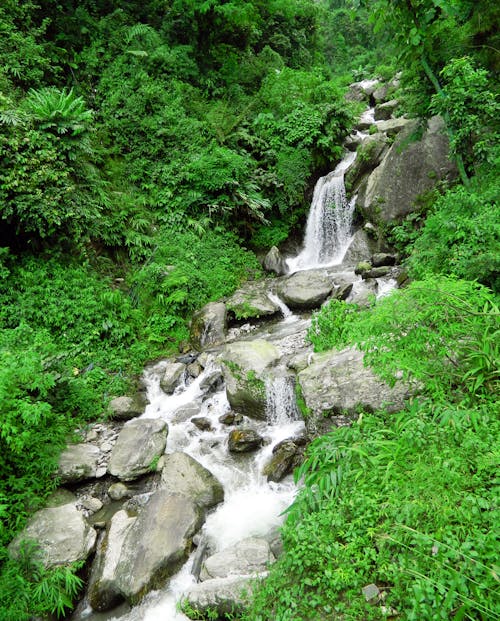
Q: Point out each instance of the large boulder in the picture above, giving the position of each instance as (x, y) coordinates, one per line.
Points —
(181, 474)
(274, 262)
(103, 592)
(226, 596)
(174, 372)
(361, 248)
(125, 408)
(369, 156)
(244, 558)
(78, 462)
(252, 301)
(157, 544)
(62, 534)
(391, 127)
(244, 441)
(243, 365)
(384, 111)
(338, 383)
(407, 171)
(140, 443)
(208, 326)
(306, 289)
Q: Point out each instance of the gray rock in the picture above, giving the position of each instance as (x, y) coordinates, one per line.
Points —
(360, 249)
(281, 462)
(361, 91)
(383, 258)
(274, 262)
(244, 558)
(182, 474)
(243, 365)
(392, 127)
(252, 301)
(230, 418)
(202, 423)
(194, 369)
(157, 544)
(244, 440)
(343, 292)
(306, 289)
(226, 596)
(140, 443)
(369, 156)
(371, 592)
(186, 412)
(362, 267)
(78, 462)
(62, 534)
(92, 504)
(384, 111)
(104, 593)
(208, 326)
(363, 293)
(390, 191)
(212, 380)
(380, 93)
(172, 376)
(337, 382)
(376, 272)
(119, 491)
(125, 408)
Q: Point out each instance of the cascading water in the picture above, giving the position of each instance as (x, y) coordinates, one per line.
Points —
(252, 506)
(288, 316)
(328, 229)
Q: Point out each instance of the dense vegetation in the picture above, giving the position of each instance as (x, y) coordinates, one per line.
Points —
(144, 146)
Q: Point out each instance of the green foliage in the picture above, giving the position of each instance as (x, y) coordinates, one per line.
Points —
(441, 332)
(461, 236)
(403, 502)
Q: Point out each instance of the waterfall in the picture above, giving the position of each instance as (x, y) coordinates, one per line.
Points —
(281, 406)
(285, 311)
(328, 229)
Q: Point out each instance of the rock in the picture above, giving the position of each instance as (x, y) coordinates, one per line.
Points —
(182, 474)
(140, 443)
(371, 592)
(225, 596)
(186, 412)
(394, 126)
(202, 423)
(369, 155)
(343, 292)
(274, 262)
(337, 383)
(193, 369)
(104, 593)
(360, 249)
(252, 301)
(384, 111)
(208, 326)
(352, 142)
(380, 93)
(376, 272)
(244, 558)
(62, 534)
(243, 364)
(78, 462)
(125, 408)
(362, 267)
(306, 289)
(230, 418)
(188, 359)
(244, 440)
(212, 381)
(281, 462)
(361, 91)
(92, 504)
(119, 491)
(172, 376)
(383, 258)
(157, 544)
(363, 293)
(405, 173)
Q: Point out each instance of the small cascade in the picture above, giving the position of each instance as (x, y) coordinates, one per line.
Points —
(285, 311)
(281, 406)
(328, 229)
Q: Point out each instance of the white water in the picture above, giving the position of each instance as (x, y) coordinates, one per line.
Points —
(328, 229)
(288, 316)
(252, 506)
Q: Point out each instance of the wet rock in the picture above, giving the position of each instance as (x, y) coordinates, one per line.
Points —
(91, 504)
(376, 272)
(282, 461)
(343, 292)
(194, 369)
(362, 267)
(252, 301)
(202, 423)
(172, 376)
(384, 111)
(104, 593)
(383, 258)
(157, 544)
(78, 462)
(274, 262)
(337, 382)
(208, 326)
(62, 534)
(243, 365)
(306, 289)
(363, 293)
(226, 596)
(244, 558)
(230, 418)
(140, 443)
(186, 412)
(125, 408)
(182, 474)
(244, 440)
(119, 491)
(188, 358)
(212, 381)
(370, 154)
(360, 249)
